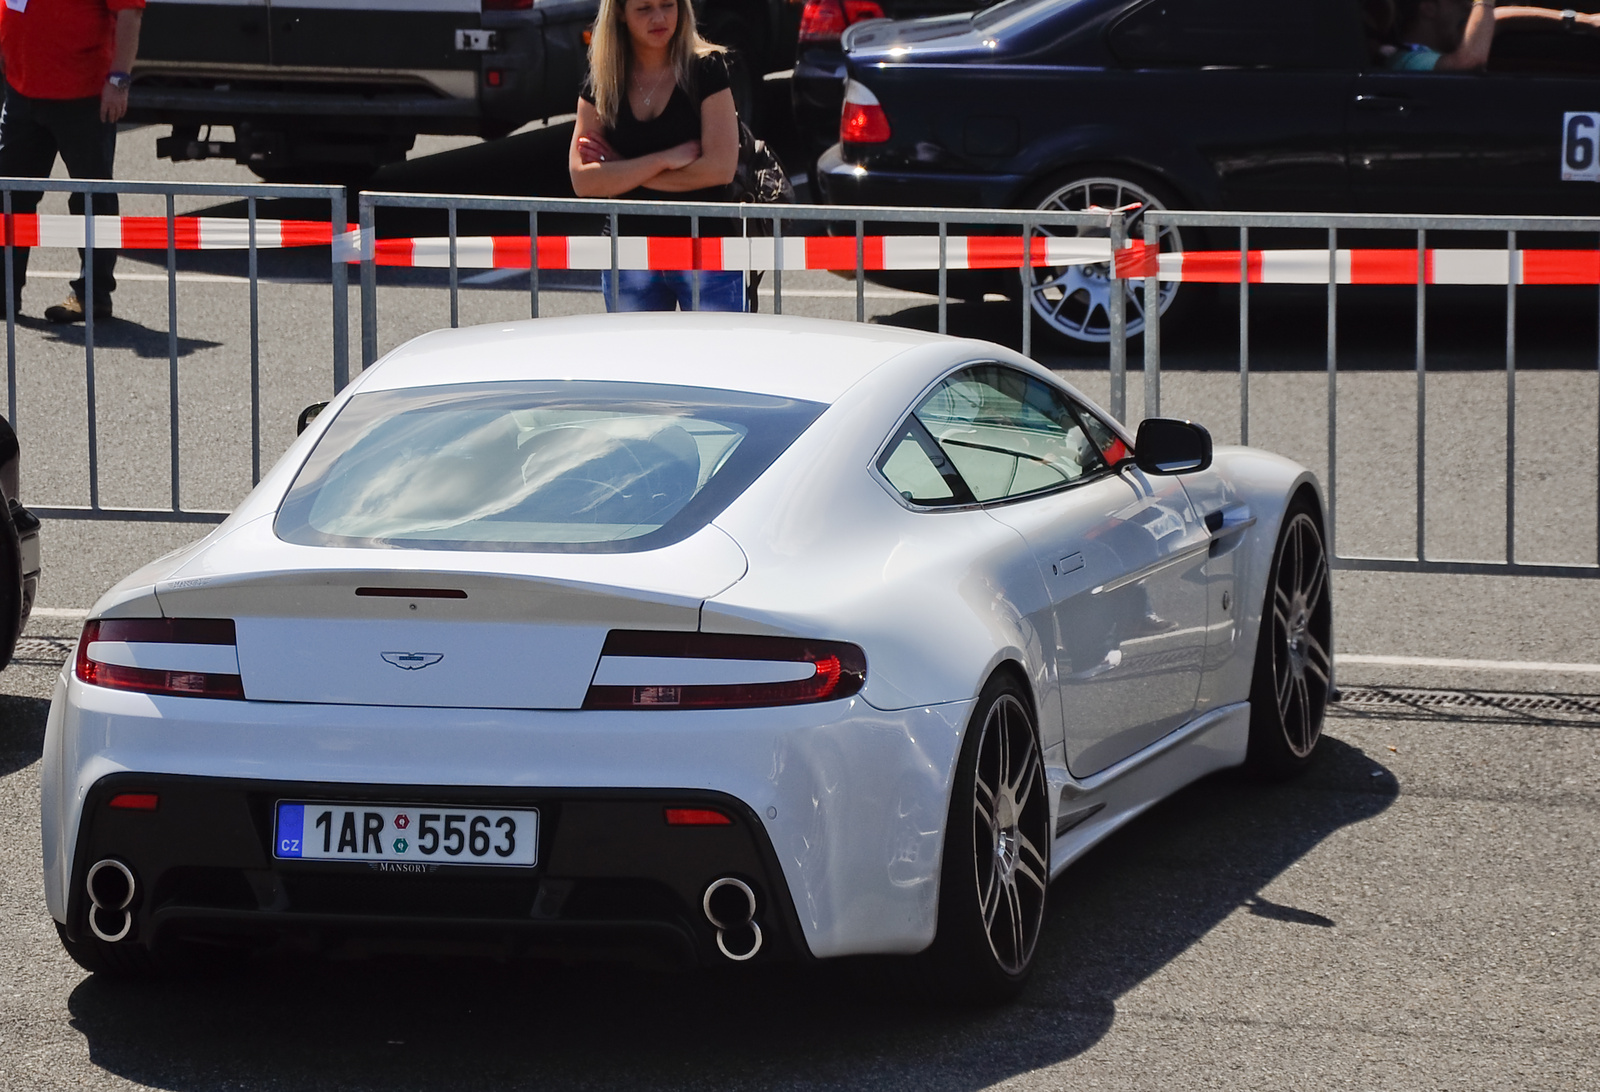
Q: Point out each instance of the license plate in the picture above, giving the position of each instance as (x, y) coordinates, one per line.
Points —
(405, 834)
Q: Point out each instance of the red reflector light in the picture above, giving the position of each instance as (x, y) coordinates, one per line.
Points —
(822, 21)
(697, 817)
(825, 20)
(838, 670)
(492, 77)
(129, 633)
(135, 801)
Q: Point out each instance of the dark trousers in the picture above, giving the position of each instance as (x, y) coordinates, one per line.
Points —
(32, 133)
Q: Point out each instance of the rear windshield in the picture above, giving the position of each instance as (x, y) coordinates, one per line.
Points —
(581, 467)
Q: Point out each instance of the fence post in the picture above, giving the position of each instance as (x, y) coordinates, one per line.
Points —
(369, 283)
(341, 296)
(1152, 319)
(1118, 312)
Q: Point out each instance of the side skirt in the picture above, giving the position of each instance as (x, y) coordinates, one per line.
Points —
(1084, 812)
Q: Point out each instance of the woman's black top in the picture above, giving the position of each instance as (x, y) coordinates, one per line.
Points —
(680, 121)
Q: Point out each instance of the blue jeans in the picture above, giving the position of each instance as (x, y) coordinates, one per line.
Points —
(667, 290)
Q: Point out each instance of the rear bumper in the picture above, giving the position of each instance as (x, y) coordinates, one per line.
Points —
(844, 183)
(612, 879)
(841, 807)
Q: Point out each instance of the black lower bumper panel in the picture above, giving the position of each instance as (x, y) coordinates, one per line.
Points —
(614, 879)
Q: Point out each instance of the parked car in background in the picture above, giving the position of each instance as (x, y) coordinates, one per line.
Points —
(19, 548)
(1207, 104)
(817, 88)
(331, 90)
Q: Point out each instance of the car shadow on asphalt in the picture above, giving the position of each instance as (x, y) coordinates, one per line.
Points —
(1118, 917)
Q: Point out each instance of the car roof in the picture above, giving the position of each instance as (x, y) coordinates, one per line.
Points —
(812, 359)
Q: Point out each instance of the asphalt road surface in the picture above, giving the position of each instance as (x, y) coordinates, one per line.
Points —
(1417, 912)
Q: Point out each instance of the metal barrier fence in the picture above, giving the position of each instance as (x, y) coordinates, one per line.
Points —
(175, 235)
(777, 238)
(764, 226)
(1512, 272)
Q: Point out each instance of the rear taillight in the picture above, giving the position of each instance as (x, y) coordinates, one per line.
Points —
(507, 5)
(825, 20)
(186, 657)
(862, 121)
(646, 670)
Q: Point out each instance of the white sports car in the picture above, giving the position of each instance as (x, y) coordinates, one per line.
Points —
(701, 638)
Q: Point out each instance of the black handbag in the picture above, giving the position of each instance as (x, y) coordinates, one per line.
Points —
(759, 179)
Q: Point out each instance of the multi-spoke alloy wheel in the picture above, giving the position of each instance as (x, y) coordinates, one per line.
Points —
(1294, 665)
(996, 859)
(1009, 822)
(1075, 300)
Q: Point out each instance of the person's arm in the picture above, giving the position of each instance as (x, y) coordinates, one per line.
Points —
(719, 150)
(1476, 40)
(1518, 11)
(596, 174)
(114, 100)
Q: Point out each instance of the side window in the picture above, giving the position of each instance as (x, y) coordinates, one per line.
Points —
(1234, 34)
(1109, 443)
(1007, 434)
(919, 471)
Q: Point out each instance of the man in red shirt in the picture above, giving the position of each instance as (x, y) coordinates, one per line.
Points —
(67, 65)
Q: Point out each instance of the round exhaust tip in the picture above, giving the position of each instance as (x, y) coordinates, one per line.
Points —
(740, 944)
(729, 903)
(109, 925)
(111, 886)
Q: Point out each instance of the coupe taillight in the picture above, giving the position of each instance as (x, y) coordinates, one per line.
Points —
(862, 121)
(183, 657)
(650, 670)
(825, 20)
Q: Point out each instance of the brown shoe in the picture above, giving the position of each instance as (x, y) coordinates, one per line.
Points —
(71, 310)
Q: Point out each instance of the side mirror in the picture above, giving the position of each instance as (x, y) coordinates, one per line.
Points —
(308, 415)
(1166, 445)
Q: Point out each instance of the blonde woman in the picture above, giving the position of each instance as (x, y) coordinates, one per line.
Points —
(656, 121)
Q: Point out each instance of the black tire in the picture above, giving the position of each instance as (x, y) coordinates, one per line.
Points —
(1293, 671)
(1069, 303)
(11, 594)
(996, 870)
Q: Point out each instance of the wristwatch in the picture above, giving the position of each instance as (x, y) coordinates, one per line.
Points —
(119, 80)
(1569, 19)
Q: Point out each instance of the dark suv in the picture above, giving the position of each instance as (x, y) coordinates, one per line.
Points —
(330, 90)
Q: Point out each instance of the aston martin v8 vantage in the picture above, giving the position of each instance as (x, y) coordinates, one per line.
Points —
(697, 638)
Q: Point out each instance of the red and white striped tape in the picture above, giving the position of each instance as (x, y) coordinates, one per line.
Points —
(1368, 266)
(150, 232)
(877, 252)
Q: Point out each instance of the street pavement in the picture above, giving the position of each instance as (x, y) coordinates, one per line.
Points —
(1416, 912)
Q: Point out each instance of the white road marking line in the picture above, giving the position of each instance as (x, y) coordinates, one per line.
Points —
(59, 612)
(192, 278)
(1468, 665)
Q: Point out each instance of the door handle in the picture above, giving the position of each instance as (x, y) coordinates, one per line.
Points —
(1389, 104)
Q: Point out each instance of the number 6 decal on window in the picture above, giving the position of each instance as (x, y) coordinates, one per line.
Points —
(1580, 147)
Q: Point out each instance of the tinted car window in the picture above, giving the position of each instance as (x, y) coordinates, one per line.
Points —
(1008, 434)
(565, 467)
(1230, 33)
